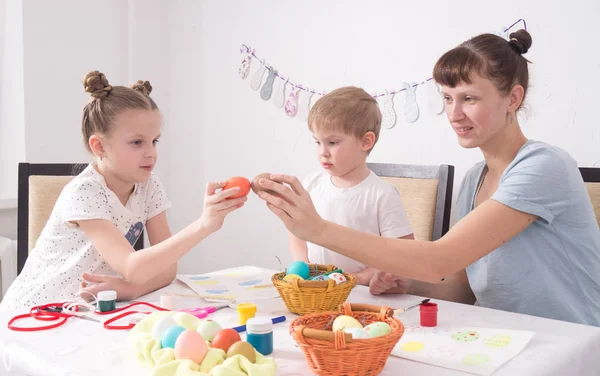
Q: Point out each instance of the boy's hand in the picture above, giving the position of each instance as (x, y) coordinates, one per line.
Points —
(217, 205)
(101, 282)
(382, 282)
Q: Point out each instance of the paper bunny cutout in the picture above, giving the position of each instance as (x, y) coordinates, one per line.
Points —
(435, 100)
(303, 105)
(245, 66)
(267, 89)
(257, 77)
(279, 93)
(291, 105)
(388, 115)
(411, 109)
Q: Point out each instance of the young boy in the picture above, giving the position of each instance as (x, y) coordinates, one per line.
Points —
(345, 125)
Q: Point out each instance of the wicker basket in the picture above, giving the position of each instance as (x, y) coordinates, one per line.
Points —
(337, 354)
(303, 296)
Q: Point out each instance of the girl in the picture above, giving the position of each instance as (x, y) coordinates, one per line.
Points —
(527, 234)
(99, 215)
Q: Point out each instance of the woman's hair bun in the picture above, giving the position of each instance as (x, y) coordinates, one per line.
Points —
(520, 41)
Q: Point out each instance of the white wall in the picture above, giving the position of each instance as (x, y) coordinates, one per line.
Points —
(12, 115)
(184, 133)
(59, 42)
(124, 39)
(376, 45)
(217, 127)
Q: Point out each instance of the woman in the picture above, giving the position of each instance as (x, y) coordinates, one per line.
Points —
(527, 235)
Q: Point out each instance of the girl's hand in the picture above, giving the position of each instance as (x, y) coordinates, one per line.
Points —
(218, 204)
(94, 283)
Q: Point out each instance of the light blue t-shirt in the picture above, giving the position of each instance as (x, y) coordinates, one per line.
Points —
(552, 268)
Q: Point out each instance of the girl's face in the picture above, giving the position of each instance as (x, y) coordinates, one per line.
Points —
(130, 147)
(476, 111)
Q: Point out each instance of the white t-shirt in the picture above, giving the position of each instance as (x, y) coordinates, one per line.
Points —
(63, 252)
(372, 206)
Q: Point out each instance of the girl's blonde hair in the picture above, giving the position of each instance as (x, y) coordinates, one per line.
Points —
(107, 102)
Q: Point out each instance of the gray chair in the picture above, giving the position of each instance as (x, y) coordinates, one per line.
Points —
(40, 184)
(426, 193)
(591, 177)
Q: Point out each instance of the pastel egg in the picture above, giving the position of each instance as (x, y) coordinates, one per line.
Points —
(320, 277)
(161, 325)
(289, 277)
(378, 329)
(242, 348)
(225, 338)
(190, 345)
(170, 336)
(342, 322)
(357, 333)
(337, 277)
(299, 268)
(208, 329)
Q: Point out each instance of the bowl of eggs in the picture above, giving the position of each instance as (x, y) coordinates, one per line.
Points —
(355, 340)
(200, 344)
(309, 288)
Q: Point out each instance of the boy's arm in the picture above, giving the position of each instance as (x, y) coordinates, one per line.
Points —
(298, 248)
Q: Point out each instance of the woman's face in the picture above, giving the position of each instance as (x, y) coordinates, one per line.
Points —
(476, 111)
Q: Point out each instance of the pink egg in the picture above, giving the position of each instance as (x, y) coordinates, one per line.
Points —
(190, 345)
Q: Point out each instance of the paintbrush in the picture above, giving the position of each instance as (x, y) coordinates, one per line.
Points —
(407, 308)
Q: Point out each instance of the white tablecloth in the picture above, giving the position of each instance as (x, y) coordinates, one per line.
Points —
(82, 347)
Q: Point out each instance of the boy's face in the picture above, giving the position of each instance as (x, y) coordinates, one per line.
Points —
(339, 153)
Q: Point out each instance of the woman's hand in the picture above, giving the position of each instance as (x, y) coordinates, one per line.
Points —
(293, 206)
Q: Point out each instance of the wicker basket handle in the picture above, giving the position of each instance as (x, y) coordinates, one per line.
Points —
(325, 335)
(357, 307)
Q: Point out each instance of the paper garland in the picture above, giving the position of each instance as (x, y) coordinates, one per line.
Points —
(297, 100)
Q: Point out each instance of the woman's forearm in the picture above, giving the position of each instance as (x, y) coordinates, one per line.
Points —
(419, 256)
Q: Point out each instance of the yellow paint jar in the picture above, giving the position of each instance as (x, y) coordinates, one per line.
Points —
(246, 311)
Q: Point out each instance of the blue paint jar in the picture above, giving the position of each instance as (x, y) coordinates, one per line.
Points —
(259, 333)
(107, 300)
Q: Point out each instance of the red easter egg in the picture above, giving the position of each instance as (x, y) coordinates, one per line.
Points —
(238, 181)
(225, 338)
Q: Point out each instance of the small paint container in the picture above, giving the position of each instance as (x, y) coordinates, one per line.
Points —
(107, 301)
(259, 333)
(167, 301)
(429, 313)
(245, 311)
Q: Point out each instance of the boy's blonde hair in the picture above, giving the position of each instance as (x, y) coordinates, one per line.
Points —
(108, 102)
(350, 110)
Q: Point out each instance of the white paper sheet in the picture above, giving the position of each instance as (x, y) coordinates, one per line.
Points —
(475, 350)
(236, 283)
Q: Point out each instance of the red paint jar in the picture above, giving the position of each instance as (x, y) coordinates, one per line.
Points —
(429, 314)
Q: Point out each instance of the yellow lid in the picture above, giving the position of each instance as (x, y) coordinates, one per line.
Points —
(246, 308)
